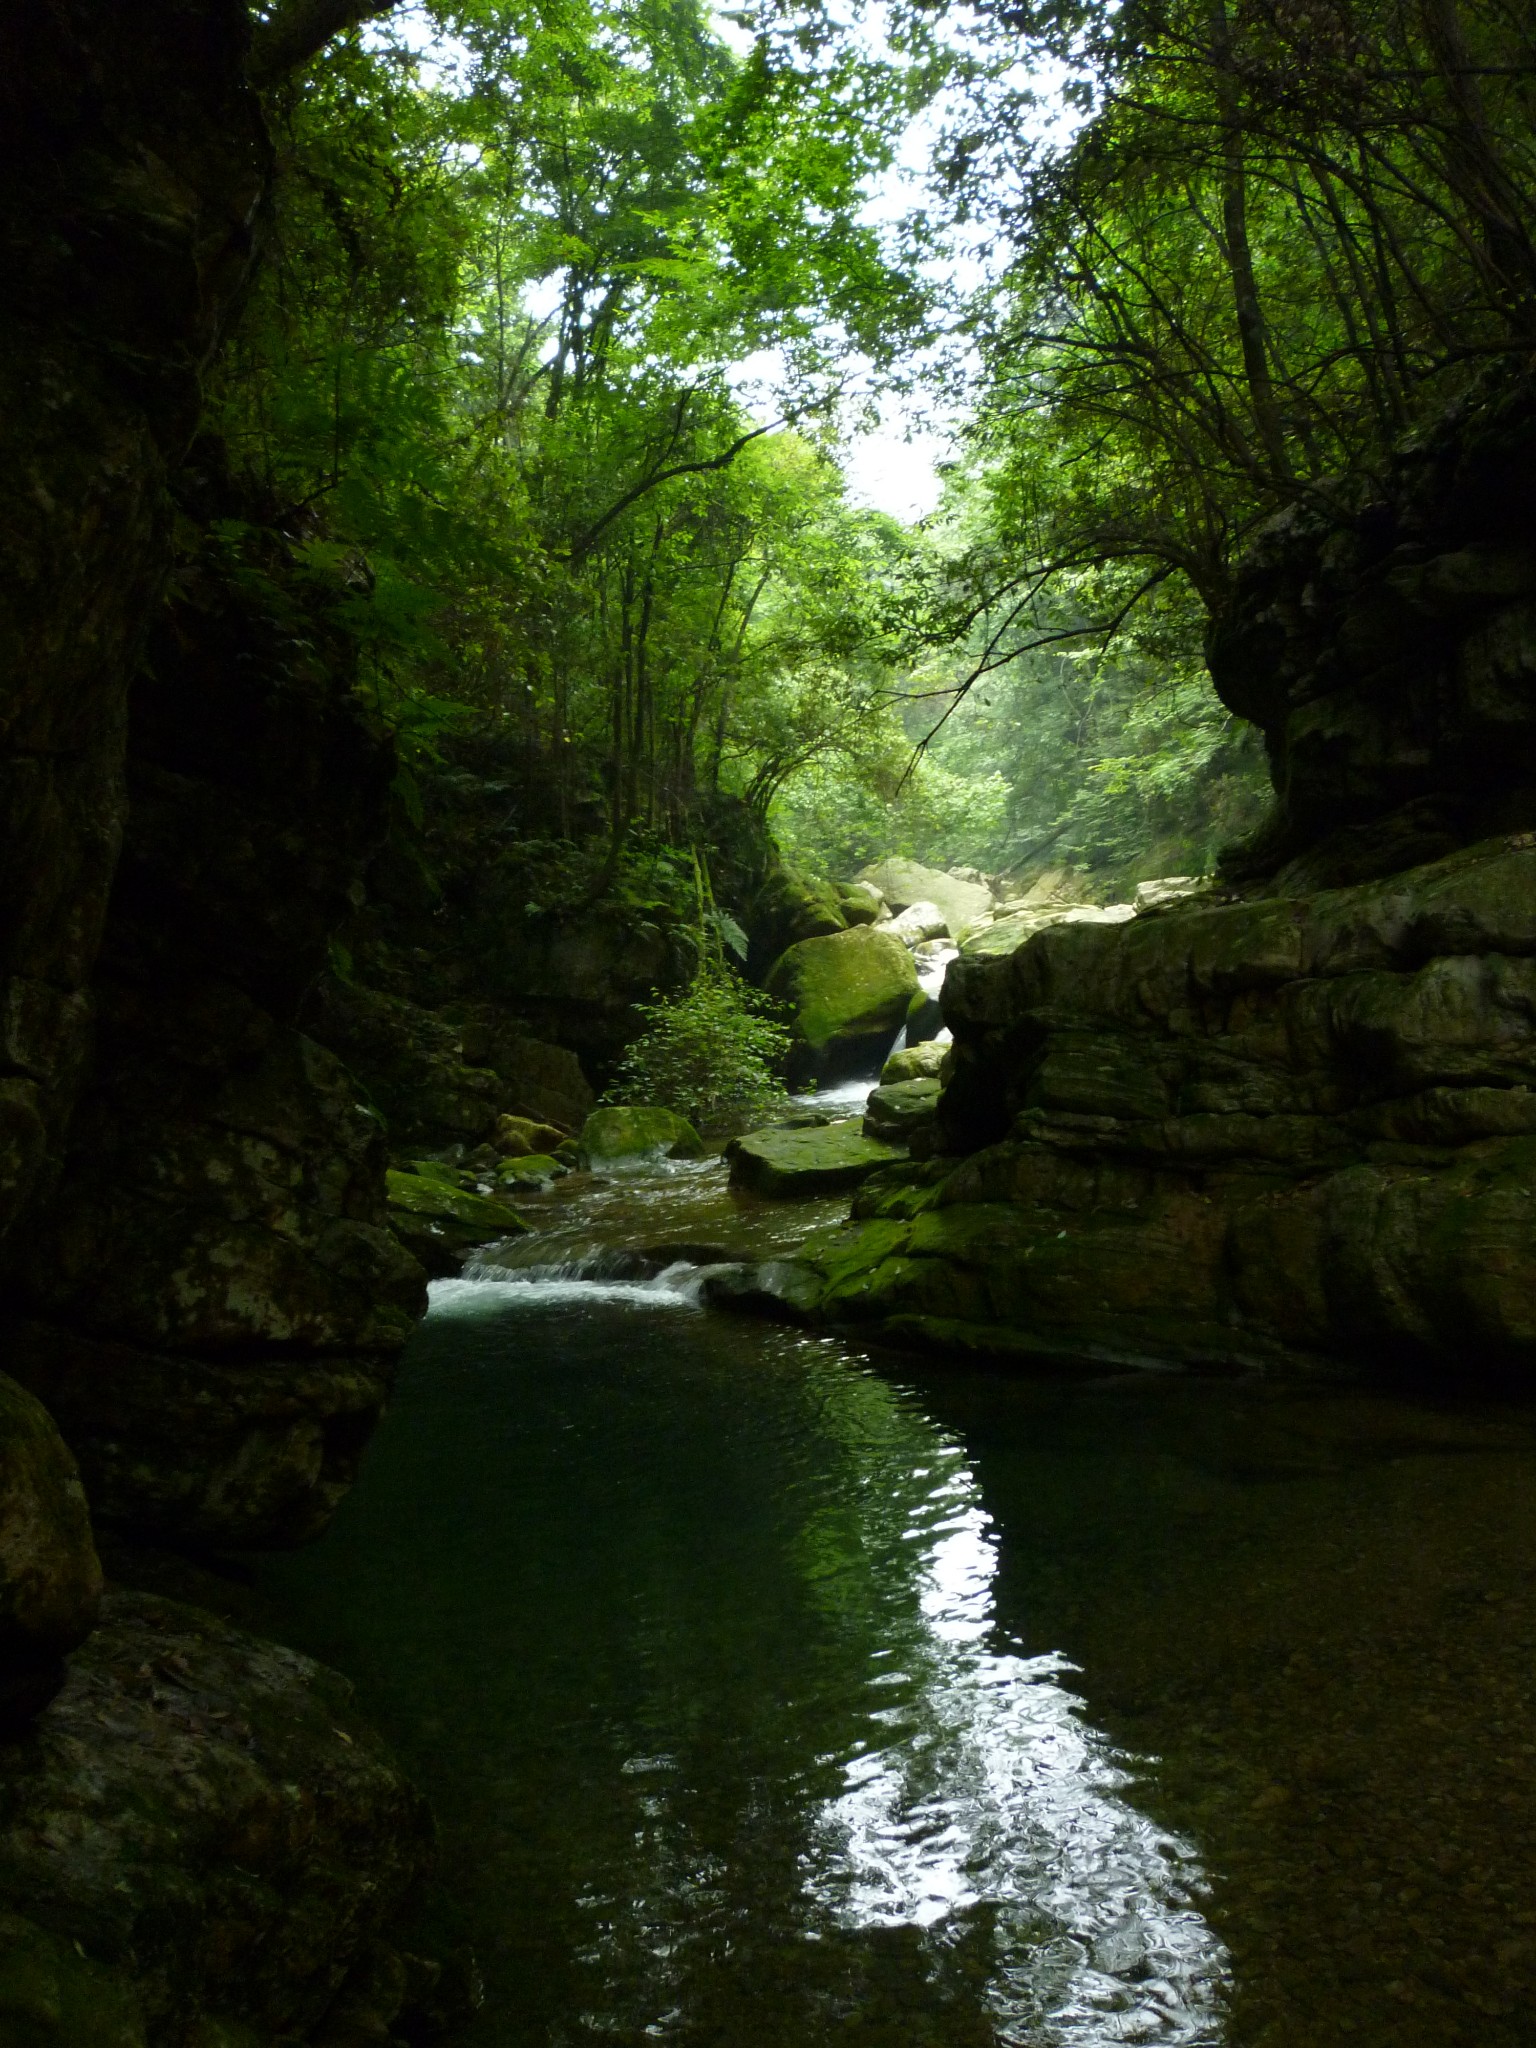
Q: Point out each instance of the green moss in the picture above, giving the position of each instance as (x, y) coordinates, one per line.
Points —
(820, 1161)
(418, 1194)
(623, 1133)
(852, 985)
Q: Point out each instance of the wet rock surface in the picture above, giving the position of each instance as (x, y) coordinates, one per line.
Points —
(50, 1579)
(203, 1834)
(1288, 1133)
(818, 1161)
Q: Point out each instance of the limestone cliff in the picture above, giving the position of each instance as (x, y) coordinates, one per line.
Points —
(1296, 1131)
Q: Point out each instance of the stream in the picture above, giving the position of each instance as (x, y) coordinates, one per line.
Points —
(771, 1694)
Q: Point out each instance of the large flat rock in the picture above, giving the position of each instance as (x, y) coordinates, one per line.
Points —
(821, 1161)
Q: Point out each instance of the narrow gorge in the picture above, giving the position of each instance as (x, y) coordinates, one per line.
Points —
(766, 1270)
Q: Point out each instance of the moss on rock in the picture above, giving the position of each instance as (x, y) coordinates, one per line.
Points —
(624, 1134)
(822, 1160)
(850, 993)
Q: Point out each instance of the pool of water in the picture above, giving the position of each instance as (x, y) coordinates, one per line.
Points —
(771, 1694)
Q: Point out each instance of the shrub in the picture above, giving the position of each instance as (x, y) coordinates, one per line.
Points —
(712, 1054)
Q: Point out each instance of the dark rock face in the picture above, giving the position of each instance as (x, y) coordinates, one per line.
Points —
(1298, 1133)
(132, 166)
(443, 1079)
(1390, 657)
(204, 1814)
(50, 1580)
(213, 1299)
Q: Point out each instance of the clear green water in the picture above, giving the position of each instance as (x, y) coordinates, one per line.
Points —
(740, 1673)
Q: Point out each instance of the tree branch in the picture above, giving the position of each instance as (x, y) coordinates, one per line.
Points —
(657, 477)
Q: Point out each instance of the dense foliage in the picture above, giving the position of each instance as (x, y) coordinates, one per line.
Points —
(491, 380)
(713, 1053)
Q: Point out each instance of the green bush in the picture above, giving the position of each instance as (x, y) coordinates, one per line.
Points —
(712, 1054)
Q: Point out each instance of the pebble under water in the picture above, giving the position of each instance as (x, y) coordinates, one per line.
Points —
(768, 1697)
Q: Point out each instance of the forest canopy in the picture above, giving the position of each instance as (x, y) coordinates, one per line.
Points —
(568, 312)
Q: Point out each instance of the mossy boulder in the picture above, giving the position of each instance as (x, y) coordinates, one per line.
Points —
(439, 1221)
(532, 1170)
(50, 1580)
(823, 1160)
(914, 1063)
(789, 907)
(861, 902)
(208, 1817)
(898, 1108)
(850, 993)
(626, 1135)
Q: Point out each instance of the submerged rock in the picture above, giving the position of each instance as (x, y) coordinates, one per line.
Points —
(817, 1161)
(50, 1580)
(850, 994)
(203, 1814)
(620, 1135)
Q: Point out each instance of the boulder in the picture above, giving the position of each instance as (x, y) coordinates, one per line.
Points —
(822, 1160)
(915, 1062)
(861, 903)
(919, 921)
(51, 1996)
(904, 882)
(530, 1170)
(850, 994)
(517, 1136)
(204, 1822)
(50, 1580)
(440, 1220)
(1007, 933)
(623, 1135)
(790, 906)
(897, 1109)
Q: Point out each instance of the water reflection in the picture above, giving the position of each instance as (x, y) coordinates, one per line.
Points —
(981, 1790)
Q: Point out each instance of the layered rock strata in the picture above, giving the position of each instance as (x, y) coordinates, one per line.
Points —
(1296, 1133)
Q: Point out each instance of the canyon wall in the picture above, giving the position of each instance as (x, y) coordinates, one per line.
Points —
(1295, 1131)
